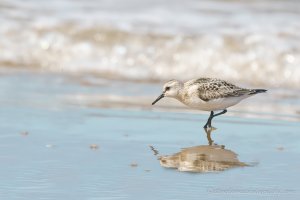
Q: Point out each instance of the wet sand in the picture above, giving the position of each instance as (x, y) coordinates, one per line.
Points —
(55, 148)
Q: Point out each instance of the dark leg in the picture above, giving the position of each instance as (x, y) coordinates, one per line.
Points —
(208, 123)
(212, 115)
(221, 113)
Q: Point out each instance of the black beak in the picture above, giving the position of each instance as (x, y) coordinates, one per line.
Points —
(158, 98)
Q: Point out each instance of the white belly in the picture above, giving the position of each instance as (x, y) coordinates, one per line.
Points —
(215, 104)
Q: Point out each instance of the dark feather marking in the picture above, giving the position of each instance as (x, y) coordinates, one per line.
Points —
(214, 89)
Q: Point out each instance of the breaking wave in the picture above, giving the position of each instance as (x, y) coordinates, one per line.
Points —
(256, 43)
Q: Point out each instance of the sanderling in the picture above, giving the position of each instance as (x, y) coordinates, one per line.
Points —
(207, 94)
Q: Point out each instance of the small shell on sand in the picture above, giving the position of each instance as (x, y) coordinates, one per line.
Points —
(24, 133)
(50, 145)
(94, 146)
(280, 148)
(133, 165)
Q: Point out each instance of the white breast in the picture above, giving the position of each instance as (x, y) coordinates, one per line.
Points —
(212, 105)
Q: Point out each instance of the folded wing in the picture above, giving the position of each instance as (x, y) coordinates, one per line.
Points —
(209, 89)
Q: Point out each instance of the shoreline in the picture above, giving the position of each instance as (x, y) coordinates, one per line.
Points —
(106, 93)
(50, 145)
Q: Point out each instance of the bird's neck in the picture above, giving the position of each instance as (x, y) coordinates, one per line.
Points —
(180, 95)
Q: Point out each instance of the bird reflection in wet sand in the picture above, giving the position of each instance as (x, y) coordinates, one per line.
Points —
(203, 158)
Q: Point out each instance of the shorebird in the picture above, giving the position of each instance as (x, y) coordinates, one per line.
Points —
(207, 94)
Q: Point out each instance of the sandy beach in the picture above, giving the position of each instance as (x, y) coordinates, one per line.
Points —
(53, 149)
(77, 79)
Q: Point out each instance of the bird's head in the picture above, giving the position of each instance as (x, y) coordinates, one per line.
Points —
(170, 89)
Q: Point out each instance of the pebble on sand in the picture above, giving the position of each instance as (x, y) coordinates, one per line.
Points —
(280, 148)
(94, 146)
(24, 133)
(133, 165)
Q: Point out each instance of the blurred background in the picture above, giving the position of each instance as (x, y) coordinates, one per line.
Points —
(130, 47)
(254, 42)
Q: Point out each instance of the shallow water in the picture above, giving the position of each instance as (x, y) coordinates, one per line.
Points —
(45, 148)
(201, 159)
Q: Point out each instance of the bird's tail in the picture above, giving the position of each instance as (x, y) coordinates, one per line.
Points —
(256, 91)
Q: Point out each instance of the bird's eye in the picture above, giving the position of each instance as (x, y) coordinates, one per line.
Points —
(167, 88)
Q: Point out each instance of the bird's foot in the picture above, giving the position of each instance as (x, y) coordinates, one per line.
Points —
(209, 128)
(207, 125)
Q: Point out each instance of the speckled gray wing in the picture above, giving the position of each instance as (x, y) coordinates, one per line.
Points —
(209, 89)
